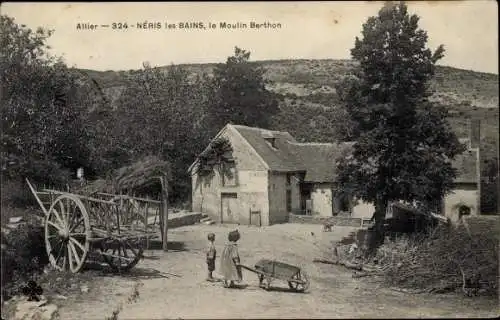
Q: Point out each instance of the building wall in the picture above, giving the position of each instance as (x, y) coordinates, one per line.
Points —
(321, 197)
(462, 195)
(362, 210)
(251, 184)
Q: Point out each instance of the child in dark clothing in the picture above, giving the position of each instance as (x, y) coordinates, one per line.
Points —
(211, 255)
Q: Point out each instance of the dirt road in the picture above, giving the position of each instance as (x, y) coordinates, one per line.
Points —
(172, 285)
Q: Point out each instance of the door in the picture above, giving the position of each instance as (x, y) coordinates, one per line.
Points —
(229, 208)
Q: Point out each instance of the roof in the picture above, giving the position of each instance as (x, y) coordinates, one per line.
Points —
(396, 209)
(280, 158)
(319, 159)
(465, 164)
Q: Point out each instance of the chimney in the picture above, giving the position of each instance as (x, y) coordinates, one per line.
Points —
(269, 137)
(475, 133)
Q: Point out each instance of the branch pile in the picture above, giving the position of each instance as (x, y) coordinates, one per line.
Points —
(447, 259)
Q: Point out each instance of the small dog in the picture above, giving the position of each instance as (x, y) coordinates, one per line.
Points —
(328, 226)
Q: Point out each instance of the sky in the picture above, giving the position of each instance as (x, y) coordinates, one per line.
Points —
(309, 30)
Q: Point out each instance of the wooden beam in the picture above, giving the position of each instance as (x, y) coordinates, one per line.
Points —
(164, 199)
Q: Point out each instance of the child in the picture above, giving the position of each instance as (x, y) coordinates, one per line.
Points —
(230, 261)
(211, 255)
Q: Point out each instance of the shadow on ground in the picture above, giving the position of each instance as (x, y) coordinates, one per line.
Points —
(137, 272)
(171, 245)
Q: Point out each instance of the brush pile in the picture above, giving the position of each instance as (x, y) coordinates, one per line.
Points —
(447, 259)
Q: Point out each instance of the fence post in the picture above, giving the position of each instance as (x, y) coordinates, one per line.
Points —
(164, 200)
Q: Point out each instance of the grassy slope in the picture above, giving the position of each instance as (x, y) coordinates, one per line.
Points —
(310, 82)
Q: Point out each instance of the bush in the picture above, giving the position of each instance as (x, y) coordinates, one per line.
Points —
(448, 259)
(23, 256)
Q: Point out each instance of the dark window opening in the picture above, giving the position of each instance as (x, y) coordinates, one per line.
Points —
(345, 205)
(463, 211)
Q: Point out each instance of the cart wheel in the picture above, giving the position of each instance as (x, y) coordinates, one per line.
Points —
(67, 233)
(121, 255)
(300, 282)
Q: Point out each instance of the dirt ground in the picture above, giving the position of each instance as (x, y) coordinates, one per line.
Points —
(172, 285)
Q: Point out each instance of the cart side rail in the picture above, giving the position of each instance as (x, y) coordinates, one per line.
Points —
(37, 194)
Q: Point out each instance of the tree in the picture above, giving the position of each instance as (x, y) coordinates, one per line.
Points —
(240, 94)
(404, 145)
(162, 113)
(42, 131)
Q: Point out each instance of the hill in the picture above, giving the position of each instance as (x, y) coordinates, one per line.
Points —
(307, 87)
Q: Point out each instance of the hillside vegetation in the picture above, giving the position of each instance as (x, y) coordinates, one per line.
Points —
(309, 104)
(309, 89)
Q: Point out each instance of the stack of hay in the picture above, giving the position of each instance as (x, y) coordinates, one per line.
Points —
(140, 174)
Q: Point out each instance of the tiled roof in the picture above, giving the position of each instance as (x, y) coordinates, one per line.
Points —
(319, 159)
(278, 159)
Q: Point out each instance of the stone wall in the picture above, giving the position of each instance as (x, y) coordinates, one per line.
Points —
(339, 221)
(183, 220)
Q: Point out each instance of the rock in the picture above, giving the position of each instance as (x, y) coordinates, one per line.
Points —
(84, 288)
(27, 310)
(48, 311)
(60, 297)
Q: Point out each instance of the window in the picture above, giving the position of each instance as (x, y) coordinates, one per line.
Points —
(229, 175)
(288, 179)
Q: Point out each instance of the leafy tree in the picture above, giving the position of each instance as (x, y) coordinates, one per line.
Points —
(41, 125)
(240, 94)
(404, 145)
(161, 113)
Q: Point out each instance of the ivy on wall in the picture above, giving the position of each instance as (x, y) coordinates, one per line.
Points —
(215, 156)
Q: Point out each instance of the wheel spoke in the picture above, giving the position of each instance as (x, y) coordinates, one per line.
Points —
(76, 225)
(131, 248)
(119, 255)
(73, 249)
(63, 212)
(78, 234)
(71, 239)
(70, 255)
(125, 252)
(71, 220)
(61, 222)
(54, 225)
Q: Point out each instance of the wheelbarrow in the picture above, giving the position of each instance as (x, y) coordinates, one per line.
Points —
(269, 270)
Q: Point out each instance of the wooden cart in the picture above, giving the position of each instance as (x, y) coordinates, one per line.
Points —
(269, 270)
(117, 227)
